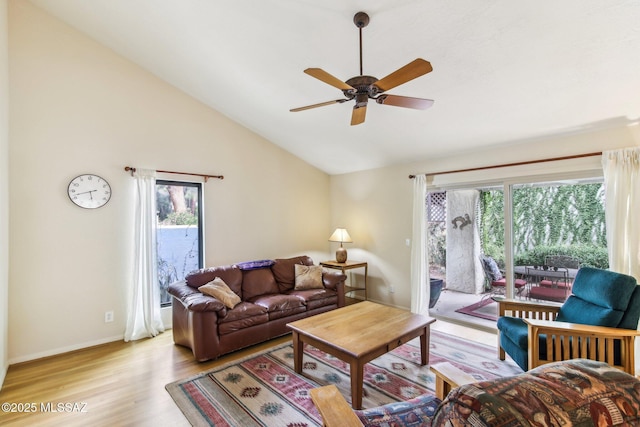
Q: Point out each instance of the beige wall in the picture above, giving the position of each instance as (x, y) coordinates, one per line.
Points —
(76, 107)
(4, 193)
(375, 206)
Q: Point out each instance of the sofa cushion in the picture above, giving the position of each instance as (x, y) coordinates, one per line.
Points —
(278, 302)
(242, 316)
(314, 298)
(515, 329)
(218, 289)
(280, 305)
(577, 392)
(600, 297)
(243, 319)
(308, 277)
(284, 271)
(258, 282)
(577, 310)
(231, 275)
(243, 310)
(604, 287)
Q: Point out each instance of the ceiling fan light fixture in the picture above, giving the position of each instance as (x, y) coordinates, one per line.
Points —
(362, 99)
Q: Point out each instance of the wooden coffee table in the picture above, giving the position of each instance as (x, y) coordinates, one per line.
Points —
(359, 333)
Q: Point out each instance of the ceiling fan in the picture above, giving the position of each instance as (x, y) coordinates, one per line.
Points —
(362, 88)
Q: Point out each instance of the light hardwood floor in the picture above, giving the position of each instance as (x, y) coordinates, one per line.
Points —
(122, 384)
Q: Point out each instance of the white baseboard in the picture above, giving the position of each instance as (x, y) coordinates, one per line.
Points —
(166, 320)
(61, 350)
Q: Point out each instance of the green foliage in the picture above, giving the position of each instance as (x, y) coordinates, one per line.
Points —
(547, 220)
(492, 222)
(437, 242)
(589, 255)
(181, 218)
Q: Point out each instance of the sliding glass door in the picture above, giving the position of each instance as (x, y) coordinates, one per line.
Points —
(538, 233)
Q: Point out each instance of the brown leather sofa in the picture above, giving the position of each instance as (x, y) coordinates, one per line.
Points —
(269, 301)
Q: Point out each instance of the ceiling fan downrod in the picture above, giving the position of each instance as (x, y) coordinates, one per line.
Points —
(361, 19)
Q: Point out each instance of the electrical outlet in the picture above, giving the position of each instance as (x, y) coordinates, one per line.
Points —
(392, 289)
(108, 316)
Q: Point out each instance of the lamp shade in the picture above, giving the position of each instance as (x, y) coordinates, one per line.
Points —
(340, 235)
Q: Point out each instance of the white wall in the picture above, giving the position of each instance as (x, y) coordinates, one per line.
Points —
(4, 193)
(77, 107)
(375, 206)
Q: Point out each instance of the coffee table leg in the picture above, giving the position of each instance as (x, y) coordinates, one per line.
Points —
(357, 378)
(424, 345)
(298, 348)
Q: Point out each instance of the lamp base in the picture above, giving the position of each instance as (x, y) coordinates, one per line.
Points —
(341, 255)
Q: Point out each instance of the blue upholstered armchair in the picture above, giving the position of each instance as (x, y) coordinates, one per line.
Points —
(598, 321)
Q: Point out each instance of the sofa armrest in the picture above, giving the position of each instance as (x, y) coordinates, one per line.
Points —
(563, 340)
(333, 408)
(332, 279)
(193, 299)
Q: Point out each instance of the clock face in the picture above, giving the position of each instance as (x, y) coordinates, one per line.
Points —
(89, 191)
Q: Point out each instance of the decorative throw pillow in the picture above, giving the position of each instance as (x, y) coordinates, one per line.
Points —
(493, 268)
(308, 277)
(218, 289)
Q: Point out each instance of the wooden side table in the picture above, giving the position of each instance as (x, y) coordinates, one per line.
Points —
(342, 266)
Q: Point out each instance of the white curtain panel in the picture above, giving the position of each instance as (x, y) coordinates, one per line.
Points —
(622, 209)
(419, 251)
(143, 317)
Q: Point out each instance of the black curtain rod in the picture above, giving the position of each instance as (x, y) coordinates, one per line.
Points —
(206, 177)
(528, 162)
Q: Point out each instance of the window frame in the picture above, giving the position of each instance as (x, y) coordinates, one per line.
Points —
(200, 191)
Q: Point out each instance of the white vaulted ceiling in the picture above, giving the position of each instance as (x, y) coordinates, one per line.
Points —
(503, 71)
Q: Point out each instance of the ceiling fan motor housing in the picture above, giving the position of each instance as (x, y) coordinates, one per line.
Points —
(363, 86)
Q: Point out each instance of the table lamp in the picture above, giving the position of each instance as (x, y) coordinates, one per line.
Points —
(341, 235)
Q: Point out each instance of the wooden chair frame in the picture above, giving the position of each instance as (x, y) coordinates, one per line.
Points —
(336, 412)
(333, 408)
(568, 340)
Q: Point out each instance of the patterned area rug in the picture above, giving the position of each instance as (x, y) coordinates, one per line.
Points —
(263, 389)
(484, 309)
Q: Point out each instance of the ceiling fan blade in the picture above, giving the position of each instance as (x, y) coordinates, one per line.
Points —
(358, 115)
(405, 101)
(321, 104)
(415, 68)
(328, 78)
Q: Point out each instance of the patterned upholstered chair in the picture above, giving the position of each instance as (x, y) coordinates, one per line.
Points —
(495, 280)
(598, 321)
(572, 393)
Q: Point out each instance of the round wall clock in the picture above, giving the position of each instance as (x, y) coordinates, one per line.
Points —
(89, 191)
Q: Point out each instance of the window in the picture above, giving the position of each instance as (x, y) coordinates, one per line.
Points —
(179, 233)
